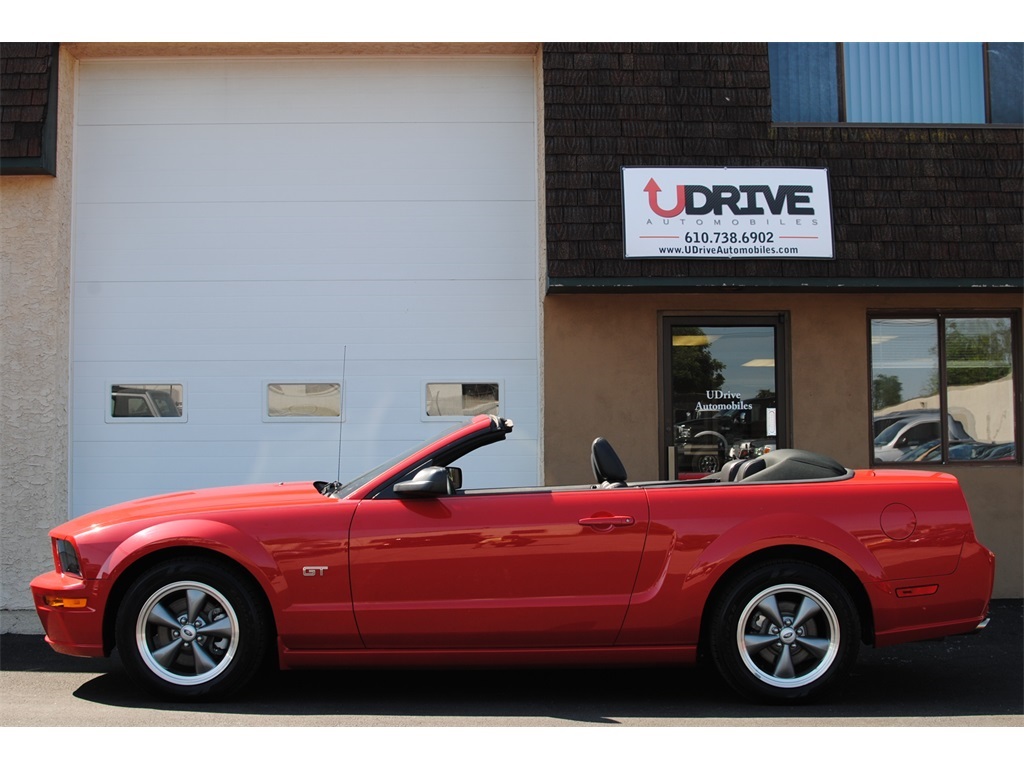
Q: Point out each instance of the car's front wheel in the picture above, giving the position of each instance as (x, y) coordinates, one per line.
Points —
(783, 631)
(192, 629)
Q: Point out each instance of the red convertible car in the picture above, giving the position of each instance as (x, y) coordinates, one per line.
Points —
(775, 569)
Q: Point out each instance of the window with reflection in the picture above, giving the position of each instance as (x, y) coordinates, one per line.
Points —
(722, 392)
(303, 400)
(462, 399)
(147, 401)
(942, 389)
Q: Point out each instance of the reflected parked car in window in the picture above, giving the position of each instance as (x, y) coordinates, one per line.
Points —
(930, 451)
(907, 434)
(967, 450)
(885, 420)
(1000, 452)
(752, 448)
(145, 401)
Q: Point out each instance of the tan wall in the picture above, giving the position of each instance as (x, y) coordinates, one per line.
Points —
(35, 305)
(601, 377)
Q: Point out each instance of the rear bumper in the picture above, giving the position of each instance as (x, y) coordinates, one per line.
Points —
(953, 604)
(71, 631)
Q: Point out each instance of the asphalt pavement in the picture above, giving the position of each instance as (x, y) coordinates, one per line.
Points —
(972, 680)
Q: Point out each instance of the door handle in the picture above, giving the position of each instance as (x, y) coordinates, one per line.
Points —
(608, 521)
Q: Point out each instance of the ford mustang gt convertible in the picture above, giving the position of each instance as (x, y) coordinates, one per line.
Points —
(775, 569)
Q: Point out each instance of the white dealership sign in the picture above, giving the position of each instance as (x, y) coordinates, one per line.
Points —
(726, 213)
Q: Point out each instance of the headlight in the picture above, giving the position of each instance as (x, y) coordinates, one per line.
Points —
(67, 557)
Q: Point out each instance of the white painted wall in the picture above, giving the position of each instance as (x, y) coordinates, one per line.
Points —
(244, 221)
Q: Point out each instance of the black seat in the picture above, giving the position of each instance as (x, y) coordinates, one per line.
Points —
(793, 464)
(608, 469)
(728, 471)
(749, 468)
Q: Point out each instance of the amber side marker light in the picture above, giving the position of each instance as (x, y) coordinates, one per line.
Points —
(929, 589)
(55, 601)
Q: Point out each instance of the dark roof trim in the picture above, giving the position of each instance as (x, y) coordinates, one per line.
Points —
(45, 163)
(765, 284)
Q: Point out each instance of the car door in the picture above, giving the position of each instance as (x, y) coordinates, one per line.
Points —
(496, 569)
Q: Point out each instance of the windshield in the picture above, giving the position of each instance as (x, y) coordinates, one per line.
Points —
(351, 485)
(888, 434)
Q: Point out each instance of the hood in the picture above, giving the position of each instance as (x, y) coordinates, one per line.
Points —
(242, 497)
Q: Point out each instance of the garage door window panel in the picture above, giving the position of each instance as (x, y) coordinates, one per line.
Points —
(302, 401)
(146, 402)
(458, 400)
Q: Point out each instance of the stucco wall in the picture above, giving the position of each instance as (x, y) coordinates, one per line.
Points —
(35, 263)
(602, 378)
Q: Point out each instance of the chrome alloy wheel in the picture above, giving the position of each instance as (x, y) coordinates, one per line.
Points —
(788, 636)
(187, 633)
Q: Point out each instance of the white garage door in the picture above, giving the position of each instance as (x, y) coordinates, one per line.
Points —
(253, 236)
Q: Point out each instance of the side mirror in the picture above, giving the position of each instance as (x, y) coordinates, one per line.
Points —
(454, 479)
(430, 481)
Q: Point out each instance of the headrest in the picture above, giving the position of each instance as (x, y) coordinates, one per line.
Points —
(607, 465)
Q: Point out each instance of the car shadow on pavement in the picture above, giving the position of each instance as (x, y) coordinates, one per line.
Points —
(974, 675)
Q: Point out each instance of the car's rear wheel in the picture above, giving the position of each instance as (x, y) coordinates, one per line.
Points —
(783, 631)
(192, 629)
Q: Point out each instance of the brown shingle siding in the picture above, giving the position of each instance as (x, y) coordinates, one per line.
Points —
(28, 135)
(908, 201)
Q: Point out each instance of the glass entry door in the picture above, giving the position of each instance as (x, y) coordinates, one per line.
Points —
(722, 392)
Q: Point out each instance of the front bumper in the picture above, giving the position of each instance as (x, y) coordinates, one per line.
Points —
(74, 631)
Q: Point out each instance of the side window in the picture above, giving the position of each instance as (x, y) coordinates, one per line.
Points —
(146, 401)
(943, 388)
(918, 435)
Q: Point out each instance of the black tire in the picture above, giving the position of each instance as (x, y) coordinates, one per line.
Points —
(192, 629)
(784, 631)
